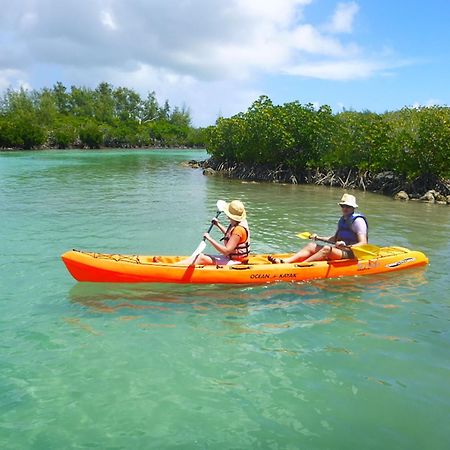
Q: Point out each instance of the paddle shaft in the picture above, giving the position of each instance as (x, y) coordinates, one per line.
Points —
(360, 251)
(212, 223)
(347, 247)
(329, 242)
(357, 251)
(202, 244)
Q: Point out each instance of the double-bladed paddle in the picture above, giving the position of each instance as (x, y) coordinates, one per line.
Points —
(220, 208)
(365, 251)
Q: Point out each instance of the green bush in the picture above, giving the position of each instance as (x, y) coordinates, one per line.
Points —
(91, 135)
(412, 142)
(115, 117)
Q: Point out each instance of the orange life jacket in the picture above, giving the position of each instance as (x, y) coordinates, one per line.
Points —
(242, 250)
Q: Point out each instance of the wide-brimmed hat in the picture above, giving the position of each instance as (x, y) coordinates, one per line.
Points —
(348, 200)
(235, 210)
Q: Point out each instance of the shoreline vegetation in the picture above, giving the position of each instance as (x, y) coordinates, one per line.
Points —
(83, 118)
(425, 189)
(403, 153)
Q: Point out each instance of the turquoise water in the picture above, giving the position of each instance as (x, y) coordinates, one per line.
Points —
(356, 363)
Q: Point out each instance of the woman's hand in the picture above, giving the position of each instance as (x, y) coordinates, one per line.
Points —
(340, 244)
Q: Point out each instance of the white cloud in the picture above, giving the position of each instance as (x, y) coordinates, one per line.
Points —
(337, 70)
(280, 11)
(310, 40)
(6, 75)
(27, 20)
(429, 102)
(178, 47)
(207, 100)
(108, 20)
(342, 20)
(237, 39)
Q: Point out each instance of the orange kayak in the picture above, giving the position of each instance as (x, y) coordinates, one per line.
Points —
(116, 268)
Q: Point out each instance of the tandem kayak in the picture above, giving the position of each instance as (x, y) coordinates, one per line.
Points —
(116, 268)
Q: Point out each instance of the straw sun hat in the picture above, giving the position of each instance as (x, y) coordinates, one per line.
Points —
(235, 210)
(349, 200)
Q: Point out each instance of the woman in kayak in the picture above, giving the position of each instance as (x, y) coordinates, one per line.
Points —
(352, 230)
(236, 240)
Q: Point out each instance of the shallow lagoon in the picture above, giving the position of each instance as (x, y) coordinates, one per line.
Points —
(349, 363)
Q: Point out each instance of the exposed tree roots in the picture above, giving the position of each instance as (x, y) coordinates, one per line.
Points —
(426, 188)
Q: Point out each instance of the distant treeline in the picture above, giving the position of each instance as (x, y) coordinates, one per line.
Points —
(92, 118)
(412, 141)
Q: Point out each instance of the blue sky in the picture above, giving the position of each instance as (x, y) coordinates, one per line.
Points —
(218, 56)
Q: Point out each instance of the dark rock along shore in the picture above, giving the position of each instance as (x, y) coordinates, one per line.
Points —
(427, 188)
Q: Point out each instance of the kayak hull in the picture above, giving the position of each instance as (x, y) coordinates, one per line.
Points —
(116, 268)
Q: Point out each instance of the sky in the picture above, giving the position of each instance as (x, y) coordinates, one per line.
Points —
(216, 57)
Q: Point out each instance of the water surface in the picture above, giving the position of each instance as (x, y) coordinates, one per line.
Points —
(336, 364)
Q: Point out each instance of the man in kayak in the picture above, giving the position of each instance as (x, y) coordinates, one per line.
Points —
(236, 240)
(352, 231)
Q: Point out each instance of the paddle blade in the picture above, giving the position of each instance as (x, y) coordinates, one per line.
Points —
(304, 235)
(366, 251)
(371, 248)
(199, 249)
(221, 205)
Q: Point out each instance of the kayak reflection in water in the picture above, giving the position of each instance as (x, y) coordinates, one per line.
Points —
(352, 231)
(236, 240)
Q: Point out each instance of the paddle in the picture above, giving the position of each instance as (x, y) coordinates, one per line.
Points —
(365, 251)
(220, 207)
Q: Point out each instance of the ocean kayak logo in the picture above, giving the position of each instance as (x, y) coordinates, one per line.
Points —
(399, 263)
(267, 276)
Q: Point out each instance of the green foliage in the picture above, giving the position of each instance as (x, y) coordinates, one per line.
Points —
(105, 116)
(432, 151)
(91, 135)
(225, 139)
(64, 134)
(62, 98)
(150, 108)
(263, 136)
(104, 103)
(196, 137)
(180, 117)
(163, 133)
(46, 108)
(310, 132)
(127, 104)
(412, 142)
(81, 102)
(362, 141)
(21, 128)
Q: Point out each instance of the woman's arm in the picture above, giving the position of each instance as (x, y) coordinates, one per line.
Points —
(224, 249)
(216, 222)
